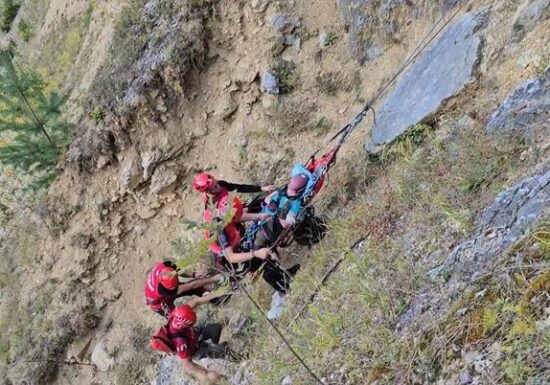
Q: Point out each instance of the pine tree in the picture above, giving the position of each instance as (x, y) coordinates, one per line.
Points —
(30, 121)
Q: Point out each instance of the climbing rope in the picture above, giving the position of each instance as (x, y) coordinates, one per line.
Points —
(348, 129)
(344, 134)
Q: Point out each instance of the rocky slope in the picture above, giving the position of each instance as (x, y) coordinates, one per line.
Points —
(245, 89)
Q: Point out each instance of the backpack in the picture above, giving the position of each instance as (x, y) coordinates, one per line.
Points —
(161, 342)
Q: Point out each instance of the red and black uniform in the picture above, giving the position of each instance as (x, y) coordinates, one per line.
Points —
(185, 341)
(159, 298)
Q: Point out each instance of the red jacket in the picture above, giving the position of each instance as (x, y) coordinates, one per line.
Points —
(155, 300)
(221, 201)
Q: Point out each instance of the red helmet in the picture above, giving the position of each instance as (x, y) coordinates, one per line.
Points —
(183, 316)
(204, 182)
(169, 278)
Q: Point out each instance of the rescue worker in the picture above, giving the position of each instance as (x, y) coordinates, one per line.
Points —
(207, 184)
(178, 336)
(162, 287)
(232, 256)
(214, 190)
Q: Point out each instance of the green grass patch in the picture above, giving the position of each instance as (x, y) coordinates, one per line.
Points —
(25, 30)
(9, 9)
(62, 48)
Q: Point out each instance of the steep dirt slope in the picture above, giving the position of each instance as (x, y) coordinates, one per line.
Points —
(116, 217)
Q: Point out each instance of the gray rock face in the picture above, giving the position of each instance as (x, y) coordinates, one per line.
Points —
(149, 160)
(513, 213)
(508, 219)
(527, 107)
(167, 372)
(466, 378)
(277, 303)
(372, 22)
(287, 381)
(528, 18)
(442, 72)
(163, 180)
(101, 359)
(170, 370)
(270, 83)
(285, 24)
(130, 174)
(353, 13)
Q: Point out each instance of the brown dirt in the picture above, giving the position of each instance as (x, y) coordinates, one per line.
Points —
(124, 245)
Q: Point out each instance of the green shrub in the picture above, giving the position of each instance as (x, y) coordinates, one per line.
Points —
(285, 71)
(31, 121)
(25, 30)
(97, 114)
(9, 11)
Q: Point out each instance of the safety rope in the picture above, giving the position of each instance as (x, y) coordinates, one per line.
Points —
(344, 134)
(237, 281)
(347, 130)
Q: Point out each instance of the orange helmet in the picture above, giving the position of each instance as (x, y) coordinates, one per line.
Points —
(204, 182)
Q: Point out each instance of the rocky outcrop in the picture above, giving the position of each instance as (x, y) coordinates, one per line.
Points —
(270, 83)
(526, 108)
(441, 73)
(507, 220)
(528, 18)
(163, 180)
(370, 23)
(101, 358)
(130, 174)
(513, 213)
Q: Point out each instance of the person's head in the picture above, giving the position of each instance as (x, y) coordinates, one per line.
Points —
(205, 183)
(182, 317)
(168, 277)
(297, 185)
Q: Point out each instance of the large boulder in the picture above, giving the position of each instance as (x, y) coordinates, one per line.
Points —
(526, 108)
(441, 73)
(163, 180)
(130, 174)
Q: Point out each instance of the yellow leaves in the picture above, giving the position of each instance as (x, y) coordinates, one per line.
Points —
(490, 320)
(19, 120)
(3, 143)
(521, 327)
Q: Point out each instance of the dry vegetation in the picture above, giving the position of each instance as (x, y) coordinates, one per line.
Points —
(414, 202)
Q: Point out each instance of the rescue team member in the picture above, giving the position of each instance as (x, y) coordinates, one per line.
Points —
(179, 337)
(207, 184)
(231, 256)
(214, 190)
(163, 287)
